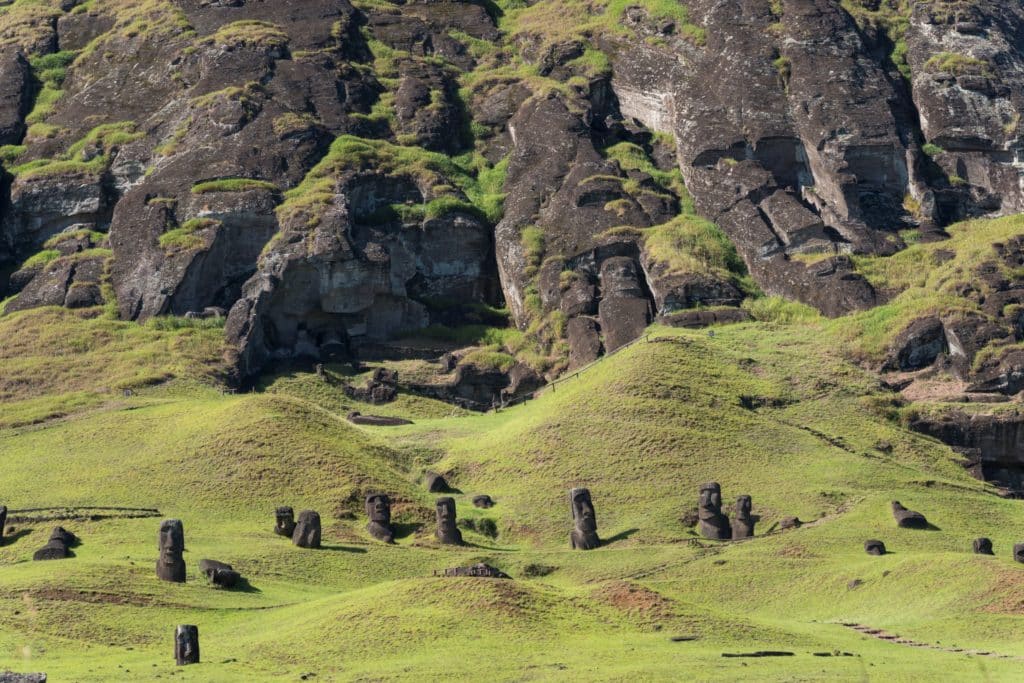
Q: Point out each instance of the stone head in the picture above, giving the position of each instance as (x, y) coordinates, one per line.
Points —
(171, 539)
(445, 508)
(1018, 552)
(583, 510)
(983, 546)
(378, 508)
(711, 497)
(744, 504)
(285, 518)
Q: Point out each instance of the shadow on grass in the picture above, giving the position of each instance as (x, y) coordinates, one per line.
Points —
(13, 538)
(406, 530)
(243, 586)
(621, 536)
(342, 549)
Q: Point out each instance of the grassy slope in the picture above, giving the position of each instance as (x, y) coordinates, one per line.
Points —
(642, 430)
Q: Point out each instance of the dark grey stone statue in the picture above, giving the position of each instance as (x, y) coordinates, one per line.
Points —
(743, 522)
(874, 547)
(58, 547)
(307, 530)
(983, 546)
(284, 521)
(584, 532)
(186, 645)
(908, 519)
(713, 524)
(378, 509)
(170, 566)
(447, 532)
(219, 573)
(1018, 552)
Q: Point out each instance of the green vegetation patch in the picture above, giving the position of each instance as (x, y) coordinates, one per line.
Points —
(233, 185)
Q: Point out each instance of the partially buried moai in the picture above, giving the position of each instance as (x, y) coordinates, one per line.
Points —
(284, 521)
(983, 546)
(186, 644)
(1018, 552)
(447, 532)
(713, 524)
(584, 532)
(378, 509)
(170, 566)
(307, 530)
(743, 522)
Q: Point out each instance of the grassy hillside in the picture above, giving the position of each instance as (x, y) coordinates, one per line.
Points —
(770, 410)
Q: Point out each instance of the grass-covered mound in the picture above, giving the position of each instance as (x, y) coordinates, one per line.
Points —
(770, 410)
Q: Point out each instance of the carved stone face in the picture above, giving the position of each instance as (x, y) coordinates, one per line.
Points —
(171, 539)
(711, 497)
(445, 508)
(583, 510)
(378, 508)
(743, 506)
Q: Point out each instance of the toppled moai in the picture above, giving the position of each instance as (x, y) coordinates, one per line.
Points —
(435, 483)
(908, 519)
(58, 547)
(378, 509)
(186, 645)
(584, 532)
(874, 547)
(284, 521)
(983, 546)
(447, 532)
(219, 573)
(307, 530)
(170, 566)
(743, 522)
(483, 501)
(478, 570)
(713, 524)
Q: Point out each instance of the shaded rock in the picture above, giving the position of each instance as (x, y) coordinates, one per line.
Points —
(874, 547)
(704, 318)
(908, 519)
(358, 418)
(584, 342)
(219, 573)
(917, 346)
(479, 570)
(982, 546)
(483, 501)
(15, 77)
(435, 483)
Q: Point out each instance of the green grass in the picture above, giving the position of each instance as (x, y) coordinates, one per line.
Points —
(642, 429)
(233, 185)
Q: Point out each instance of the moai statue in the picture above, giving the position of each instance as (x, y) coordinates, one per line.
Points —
(284, 524)
(447, 532)
(58, 547)
(908, 519)
(378, 509)
(3, 522)
(874, 547)
(983, 546)
(1018, 552)
(584, 532)
(186, 644)
(743, 522)
(219, 573)
(307, 530)
(171, 540)
(713, 524)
